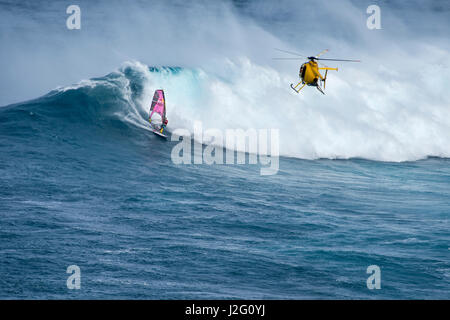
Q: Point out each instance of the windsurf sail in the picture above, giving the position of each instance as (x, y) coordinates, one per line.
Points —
(158, 106)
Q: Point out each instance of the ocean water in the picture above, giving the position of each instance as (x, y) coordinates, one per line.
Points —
(363, 177)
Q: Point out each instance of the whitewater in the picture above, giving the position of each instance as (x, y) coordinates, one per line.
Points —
(392, 121)
(394, 106)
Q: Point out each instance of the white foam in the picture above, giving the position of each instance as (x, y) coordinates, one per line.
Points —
(378, 113)
(362, 114)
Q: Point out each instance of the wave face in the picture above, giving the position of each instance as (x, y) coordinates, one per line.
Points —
(394, 106)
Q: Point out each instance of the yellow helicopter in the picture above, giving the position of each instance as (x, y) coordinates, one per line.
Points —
(309, 71)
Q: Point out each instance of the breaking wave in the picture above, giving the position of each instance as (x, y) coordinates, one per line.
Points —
(394, 106)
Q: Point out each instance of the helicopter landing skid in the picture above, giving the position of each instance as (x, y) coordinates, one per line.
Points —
(294, 88)
(320, 89)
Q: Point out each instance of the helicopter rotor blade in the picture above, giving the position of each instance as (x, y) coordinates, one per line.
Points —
(339, 60)
(324, 51)
(290, 52)
(288, 59)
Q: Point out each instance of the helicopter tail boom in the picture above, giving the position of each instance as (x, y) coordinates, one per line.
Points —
(327, 68)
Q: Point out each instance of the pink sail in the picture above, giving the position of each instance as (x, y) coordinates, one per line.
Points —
(158, 105)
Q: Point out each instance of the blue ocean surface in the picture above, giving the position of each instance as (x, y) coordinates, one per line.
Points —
(79, 186)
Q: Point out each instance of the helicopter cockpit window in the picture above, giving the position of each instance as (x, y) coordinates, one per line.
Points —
(302, 71)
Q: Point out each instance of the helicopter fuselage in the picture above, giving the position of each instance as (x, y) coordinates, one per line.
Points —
(309, 73)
